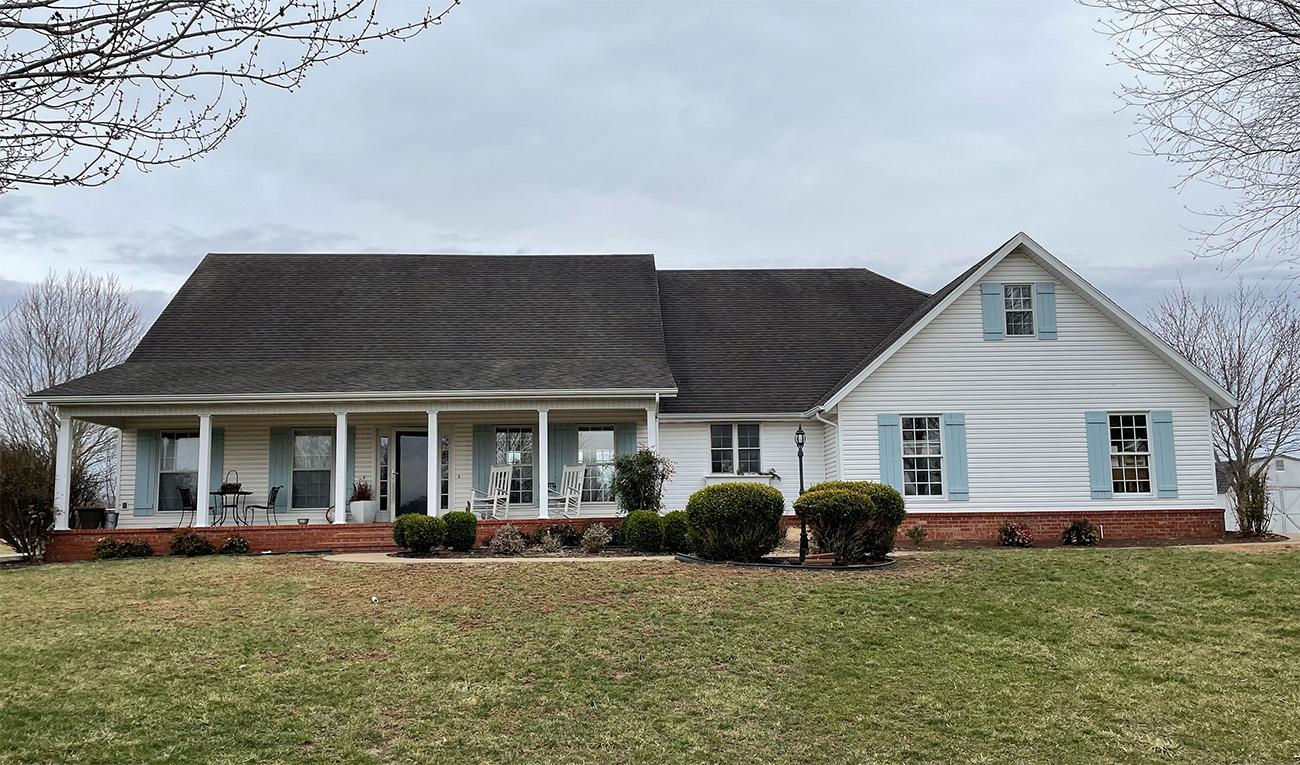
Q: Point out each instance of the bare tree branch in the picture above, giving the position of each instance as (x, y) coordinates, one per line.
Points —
(89, 87)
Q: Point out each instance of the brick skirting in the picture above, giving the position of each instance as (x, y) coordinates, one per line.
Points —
(1047, 526)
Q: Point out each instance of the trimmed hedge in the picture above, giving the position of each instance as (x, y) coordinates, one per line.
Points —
(855, 520)
(419, 533)
(643, 531)
(735, 521)
(109, 548)
(191, 545)
(676, 529)
(462, 530)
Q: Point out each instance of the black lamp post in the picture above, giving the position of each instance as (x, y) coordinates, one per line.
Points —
(801, 438)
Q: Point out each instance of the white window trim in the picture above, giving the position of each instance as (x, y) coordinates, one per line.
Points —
(943, 458)
(1032, 310)
(293, 471)
(162, 438)
(1150, 455)
(531, 428)
(735, 448)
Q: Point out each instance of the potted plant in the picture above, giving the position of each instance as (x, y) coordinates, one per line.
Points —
(362, 504)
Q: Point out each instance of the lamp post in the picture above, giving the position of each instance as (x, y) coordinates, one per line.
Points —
(801, 438)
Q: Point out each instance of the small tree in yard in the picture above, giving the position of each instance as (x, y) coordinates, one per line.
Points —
(639, 480)
(1249, 342)
(26, 501)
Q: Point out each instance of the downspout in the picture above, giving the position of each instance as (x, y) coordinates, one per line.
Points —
(839, 455)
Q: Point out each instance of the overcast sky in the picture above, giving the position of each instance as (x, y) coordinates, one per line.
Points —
(908, 139)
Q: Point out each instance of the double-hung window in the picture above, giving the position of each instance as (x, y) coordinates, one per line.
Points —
(1130, 453)
(734, 448)
(178, 468)
(922, 456)
(313, 464)
(596, 454)
(514, 446)
(1018, 306)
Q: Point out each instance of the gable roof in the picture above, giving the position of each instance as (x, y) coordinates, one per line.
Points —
(250, 324)
(1024, 245)
(771, 341)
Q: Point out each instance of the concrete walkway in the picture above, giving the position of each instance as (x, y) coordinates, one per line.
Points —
(380, 557)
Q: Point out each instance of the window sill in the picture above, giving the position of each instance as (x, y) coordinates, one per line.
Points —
(713, 478)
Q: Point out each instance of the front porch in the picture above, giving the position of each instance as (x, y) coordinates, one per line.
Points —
(317, 453)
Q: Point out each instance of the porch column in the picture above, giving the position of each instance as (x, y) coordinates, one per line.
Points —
(63, 474)
(651, 428)
(202, 498)
(434, 459)
(341, 467)
(541, 479)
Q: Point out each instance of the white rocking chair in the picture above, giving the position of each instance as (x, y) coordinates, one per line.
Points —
(567, 500)
(495, 503)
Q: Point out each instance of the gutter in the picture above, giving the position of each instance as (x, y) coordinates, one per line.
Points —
(271, 398)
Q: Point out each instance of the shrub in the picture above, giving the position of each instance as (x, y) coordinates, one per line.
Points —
(109, 548)
(419, 533)
(551, 543)
(855, 520)
(1012, 534)
(27, 529)
(595, 537)
(735, 521)
(917, 534)
(886, 497)
(234, 545)
(639, 480)
(565, 533)
(191, 545)
(643, 531)
(1081, 533)
(462, 530)
(676, 529)
(508, 540)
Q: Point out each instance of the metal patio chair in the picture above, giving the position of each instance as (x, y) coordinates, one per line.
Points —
(268, 509)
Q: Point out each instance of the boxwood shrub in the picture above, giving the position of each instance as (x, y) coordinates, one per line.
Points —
(110, 548)
(419, 533)
(190, 545)
(643, 531)
(462, 530)
(676, 529)
(848, 523)
(734, 521)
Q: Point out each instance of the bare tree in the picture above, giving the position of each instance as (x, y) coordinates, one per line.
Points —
(1249, 342)
(88, 87)
(1218, 93)
(65, 327)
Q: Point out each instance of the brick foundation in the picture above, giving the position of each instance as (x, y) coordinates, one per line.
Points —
(1047, 526)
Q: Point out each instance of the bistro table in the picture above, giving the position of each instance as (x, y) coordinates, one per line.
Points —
(230, 503)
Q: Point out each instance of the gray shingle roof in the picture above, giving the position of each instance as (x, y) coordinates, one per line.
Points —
(772, 340)
(349, 323)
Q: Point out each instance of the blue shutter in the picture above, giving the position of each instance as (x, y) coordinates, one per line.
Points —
(352, 459)
(954, 453)
(563, 451)
(1099, 479)
(624, 438)
(484, 454)
(991, 306)
(890, 440)
(1162, 447)
(217, 464)
(280, 468)
(146, 473)
(1045, 310)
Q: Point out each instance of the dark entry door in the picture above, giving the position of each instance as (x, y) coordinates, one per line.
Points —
(412, 473)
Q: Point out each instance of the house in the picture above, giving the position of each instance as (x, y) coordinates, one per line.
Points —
(1017, 390)
(1282, 478)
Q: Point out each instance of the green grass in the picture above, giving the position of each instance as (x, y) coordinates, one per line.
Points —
(1060, 656)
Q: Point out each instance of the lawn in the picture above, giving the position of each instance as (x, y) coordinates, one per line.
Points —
(1061, 656)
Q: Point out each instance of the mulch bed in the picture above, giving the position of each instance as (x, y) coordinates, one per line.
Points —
(568, 552)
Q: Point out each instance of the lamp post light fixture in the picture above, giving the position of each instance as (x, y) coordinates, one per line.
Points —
(801, 438)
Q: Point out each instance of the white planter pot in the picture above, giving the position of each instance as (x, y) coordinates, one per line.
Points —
(363, 511)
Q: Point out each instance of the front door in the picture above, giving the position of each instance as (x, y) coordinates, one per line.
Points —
(412, 475)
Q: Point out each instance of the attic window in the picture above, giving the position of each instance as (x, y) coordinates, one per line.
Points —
(1018, 303)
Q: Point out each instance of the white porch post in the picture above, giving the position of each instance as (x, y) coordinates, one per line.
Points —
(434, 459)
(341, 467)
(651, 428)
(202, 497)
(63, 474)
(541, 485)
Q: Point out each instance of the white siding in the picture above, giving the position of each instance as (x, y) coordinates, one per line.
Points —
(1024, 401)
(831, 451)
(687, 445)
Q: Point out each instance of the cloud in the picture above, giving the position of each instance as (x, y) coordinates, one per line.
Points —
(176, 250)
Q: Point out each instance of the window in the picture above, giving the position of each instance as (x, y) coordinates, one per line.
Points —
(178, 468)
(922, 456)
(1018, 304)
(515, 447)
(1280, 466)
(735, 449)
(596, 453)
(313, 461)
(1130, 454)
(383, 474)
(444, 471)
